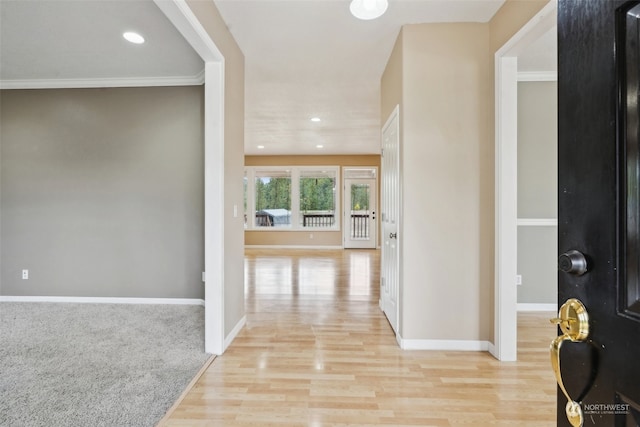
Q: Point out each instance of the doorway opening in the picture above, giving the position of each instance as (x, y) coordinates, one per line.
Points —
(506, 180)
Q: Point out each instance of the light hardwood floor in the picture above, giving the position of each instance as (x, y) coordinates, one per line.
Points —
(317, 351)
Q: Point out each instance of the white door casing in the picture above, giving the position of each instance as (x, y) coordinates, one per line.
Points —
(390, 219)
(183, 18)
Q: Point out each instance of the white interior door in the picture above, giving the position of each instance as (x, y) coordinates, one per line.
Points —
(360, 224)
(390, 209)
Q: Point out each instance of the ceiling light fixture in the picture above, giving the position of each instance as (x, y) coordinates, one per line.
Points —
(368, 9)
(260, 147)
(319, 146)
(133, 37)
(315, 119)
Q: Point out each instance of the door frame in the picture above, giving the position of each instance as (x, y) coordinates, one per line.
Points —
(184, 20)
(506, 187)
(344, 199)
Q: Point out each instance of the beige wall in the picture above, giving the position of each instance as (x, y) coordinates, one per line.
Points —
(444, 122)
(510, 18)
(442, 76)
(303, 238)
(392, 84)
(209, 17)
(353, 160)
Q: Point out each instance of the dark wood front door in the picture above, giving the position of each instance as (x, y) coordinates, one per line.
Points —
(599, 208)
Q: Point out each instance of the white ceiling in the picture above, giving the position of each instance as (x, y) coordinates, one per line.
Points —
(304, 58)
(307, 58)
(52, 39)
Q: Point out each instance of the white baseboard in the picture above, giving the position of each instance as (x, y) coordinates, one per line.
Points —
(449, 345)
(537, 307)
(492, 349)
(290, 247)
(234, 332)
(103, 300)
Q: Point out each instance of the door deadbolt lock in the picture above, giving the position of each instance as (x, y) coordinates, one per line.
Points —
(393, 235)
(573, 262)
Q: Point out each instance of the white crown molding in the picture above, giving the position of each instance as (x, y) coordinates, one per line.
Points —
(537, 76)
(103, 300)
(196, 80)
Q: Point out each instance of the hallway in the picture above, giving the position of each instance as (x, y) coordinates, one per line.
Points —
(317, 351)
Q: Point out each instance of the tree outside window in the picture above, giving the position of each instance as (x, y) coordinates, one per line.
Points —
(273, 199)
(317, 198)
(360, 197)
(293, 197)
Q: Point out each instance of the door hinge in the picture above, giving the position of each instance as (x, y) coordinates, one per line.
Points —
(382, 152)
(204, 276)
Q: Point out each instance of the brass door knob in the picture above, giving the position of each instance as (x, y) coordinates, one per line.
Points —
(573, 321)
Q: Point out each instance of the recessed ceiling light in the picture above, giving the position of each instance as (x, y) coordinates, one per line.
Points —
(260, 147)
(319, 146)
(315, 119)
(133, 37)
(368, 9)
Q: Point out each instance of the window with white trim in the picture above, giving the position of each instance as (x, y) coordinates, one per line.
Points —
(291, 198)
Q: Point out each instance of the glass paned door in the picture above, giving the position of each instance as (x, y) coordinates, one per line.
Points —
(360, 213)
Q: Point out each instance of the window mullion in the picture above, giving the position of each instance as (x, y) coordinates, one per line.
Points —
(251, 199)
(295, 198)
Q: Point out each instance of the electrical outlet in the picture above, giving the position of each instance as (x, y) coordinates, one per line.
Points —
(25, 274)
(519, 279)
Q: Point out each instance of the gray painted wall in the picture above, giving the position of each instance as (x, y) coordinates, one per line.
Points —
(102, 192)
(537, 261)
(537, 190)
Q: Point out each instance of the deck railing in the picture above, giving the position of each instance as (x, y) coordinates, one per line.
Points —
(359, 222)
(359, 226)
(318, 220)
